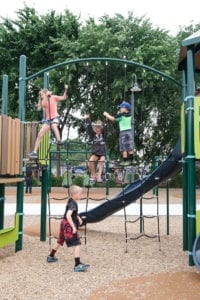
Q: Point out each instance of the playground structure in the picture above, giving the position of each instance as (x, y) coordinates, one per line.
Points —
(188, 59)
(11, 137)
(189, 64)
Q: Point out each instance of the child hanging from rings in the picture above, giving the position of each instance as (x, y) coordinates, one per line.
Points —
(125, 137)
(97, 134)
(49, 102)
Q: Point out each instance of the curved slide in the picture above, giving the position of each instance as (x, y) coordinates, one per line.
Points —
(170, 167)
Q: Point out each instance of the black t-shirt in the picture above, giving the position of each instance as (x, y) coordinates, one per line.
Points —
(72, 205)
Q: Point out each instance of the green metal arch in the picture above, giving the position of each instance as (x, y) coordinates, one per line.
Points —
(106, 59)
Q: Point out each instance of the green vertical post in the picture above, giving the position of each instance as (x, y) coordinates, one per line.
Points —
(4, 109)
(46, 86)
(107, 171)
(185, 205)
(190, 154)
(133, 128)
(22, 87)
(20, 202)
(2, 201)
(167, 206)
(185, 171)
(49, 172)
(154, 166)
(46, 80)
(21, 115)
(43, 203)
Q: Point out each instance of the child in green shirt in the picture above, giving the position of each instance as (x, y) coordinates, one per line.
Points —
(125, 137)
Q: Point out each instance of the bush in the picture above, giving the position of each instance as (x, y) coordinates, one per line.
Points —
(36, 181)
(78, 180)
(56, 180)
(176, 181)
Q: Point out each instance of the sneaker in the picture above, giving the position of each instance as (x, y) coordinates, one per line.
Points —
(81, 268)
(59, 143)
(93, 178)
(33, 155)
(51, 259)
(99, 180)
(133, 163)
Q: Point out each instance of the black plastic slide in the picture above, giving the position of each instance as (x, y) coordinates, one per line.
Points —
(170, 167)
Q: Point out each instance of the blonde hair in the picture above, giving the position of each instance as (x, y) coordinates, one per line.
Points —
(99, 124)
(75, 189)
(42, 101)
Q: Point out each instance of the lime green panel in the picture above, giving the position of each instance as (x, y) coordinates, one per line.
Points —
(197, 127)
(44, 149)
(9, 235)
(197, 222)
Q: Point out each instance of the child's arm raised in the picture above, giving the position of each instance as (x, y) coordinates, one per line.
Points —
(108, 116)
(64, 96)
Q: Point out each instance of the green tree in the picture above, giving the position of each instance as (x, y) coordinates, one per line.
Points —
(36, 37)
(97, 86)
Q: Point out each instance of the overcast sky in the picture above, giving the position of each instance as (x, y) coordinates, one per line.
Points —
(168, 14)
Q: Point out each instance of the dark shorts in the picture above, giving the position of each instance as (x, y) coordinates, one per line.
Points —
(126, 140)
(55, 120)
(66, 235)
(74, 241)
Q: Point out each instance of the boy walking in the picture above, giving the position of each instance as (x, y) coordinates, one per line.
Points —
(69, 230)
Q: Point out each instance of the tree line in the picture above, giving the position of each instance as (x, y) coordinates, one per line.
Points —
(97, 86)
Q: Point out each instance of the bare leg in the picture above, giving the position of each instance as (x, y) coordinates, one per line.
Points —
(92, 162)
(56, 246)
(101, 165)
(77, 250)
(124, 154)
(56, 131)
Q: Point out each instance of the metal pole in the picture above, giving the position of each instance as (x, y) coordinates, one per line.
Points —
(133, 129)
(46, 80)
(167, 204)
(43, 204)
(2, 202)
(20, 202)
(22, 87)
(185, 205)
(190, 154)
(106, 173)
(21, 115)
(132, 116)
(4, 109)
(184, 164)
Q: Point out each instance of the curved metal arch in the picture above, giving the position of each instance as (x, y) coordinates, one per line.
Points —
(106, 59)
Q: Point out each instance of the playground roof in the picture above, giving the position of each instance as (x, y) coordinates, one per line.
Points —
(192, 40)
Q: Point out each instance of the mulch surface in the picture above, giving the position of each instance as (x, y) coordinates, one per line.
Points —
(170, 285)
(177, 286)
